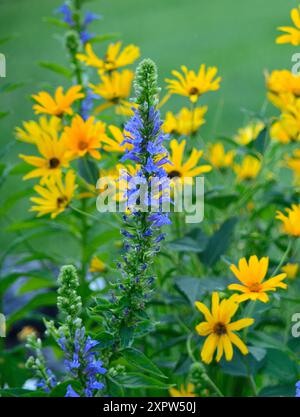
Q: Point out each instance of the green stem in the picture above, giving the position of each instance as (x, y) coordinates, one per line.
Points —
(284, 257)
(205, 376)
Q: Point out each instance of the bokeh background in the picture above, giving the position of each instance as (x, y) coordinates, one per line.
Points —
(236, 36)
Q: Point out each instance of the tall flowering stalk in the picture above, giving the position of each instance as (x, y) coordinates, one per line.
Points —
(81, 362)
(142, 227)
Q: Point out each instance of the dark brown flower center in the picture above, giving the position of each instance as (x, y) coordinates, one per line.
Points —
(82, 145)
(174, 174)
(219, 329)
(194, 91)
(61, 201)
(54, 163)
(256, 287)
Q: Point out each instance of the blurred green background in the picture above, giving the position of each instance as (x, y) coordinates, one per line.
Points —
(237, 36)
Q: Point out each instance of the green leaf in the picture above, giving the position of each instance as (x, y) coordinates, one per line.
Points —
(135, 380)
(114, 388)
(221, 201)
(36, 283)
(279, 365)
(40, 300)
(241, 365)
(61, 389)
(126, 335)
(9, 87)
(20, 392)
(7, 281)
(56, 22)
(186, 244)
(104, 38)
(3, 114)
(262, 140)
(88, 170)
(139, 360)
(278, 391)
(218, 242)
(194, 288)
(11, 201)
(59, 69)
(105, 339)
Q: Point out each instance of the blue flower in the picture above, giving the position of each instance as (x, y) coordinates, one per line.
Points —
(84, 360)
(50, 383)
(85, 36)
(67, 14)
(298, 389)
(90, 17)
(71, 392)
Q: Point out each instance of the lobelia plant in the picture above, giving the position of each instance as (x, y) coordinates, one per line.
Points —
(81, 362)
(142, 226)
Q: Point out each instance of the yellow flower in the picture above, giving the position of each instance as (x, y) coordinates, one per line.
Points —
(84, 136)
(219, 158)
(34, 132)
(192, 84)
(248, 169)
(285, 130)
(292, 34)
(290, 270)
(191, 168)
(114, 89)
(182, 391)
(185, 122)
(251, 274)
(113, 180)
(97, 265)
(55, 196)
(59, 104)
(25, 332)
(220, 329)
(283, 81)
(54, 157)
(249, 133)
(114, 143)
(291, 221)
(114, 57)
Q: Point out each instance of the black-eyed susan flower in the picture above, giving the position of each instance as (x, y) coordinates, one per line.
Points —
(115, 90)
(251, 274)
(285, 130)
(186, 122)
(183, 391)
(33, 132)
(59, 104)
(192, 84)
(54, 196)
(219, 158)
(220, 329)
(84, 137)
(191, 168)
(54, 157)
(114, 58)
(291, 270)
(283, 82)
(113, 141)
(291, 221)
(248, 169)
(97, 265)
(249, 133)
(292, 34)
